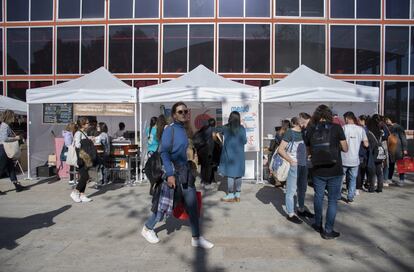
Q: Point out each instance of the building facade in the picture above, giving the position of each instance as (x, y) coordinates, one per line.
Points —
(256, 42)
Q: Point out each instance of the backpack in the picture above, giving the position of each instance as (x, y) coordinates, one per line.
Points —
(378, 152)
(199, 139)
(153, 167)
(323, 153)
(89, 147)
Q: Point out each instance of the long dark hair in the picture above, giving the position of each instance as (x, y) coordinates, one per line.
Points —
(322, 112)
(234, 122)
(103, 127)
(175, 106)
(153, 122)
(374, 126)
(161, 123)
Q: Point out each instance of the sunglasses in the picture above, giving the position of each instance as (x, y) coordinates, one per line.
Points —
(182, 112)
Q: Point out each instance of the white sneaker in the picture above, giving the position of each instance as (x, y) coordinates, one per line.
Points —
(149, 235)
(201, 242)
(357, 192)
(71, 182)
(75, 196)
(84, 198)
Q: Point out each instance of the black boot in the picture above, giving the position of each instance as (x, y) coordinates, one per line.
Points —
(19, 187)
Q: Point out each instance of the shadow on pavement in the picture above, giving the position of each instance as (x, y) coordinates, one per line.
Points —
(12, 229)
(273, 195)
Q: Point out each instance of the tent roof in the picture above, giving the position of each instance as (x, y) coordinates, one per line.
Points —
(7, 103)
(306, 85)
(100, 86)
(200, 85)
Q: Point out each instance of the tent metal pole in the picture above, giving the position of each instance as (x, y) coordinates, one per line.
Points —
(261, 141)
(28, 143)
(140, 142)
(136, 136)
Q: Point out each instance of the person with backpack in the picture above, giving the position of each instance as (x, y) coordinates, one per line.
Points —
(325, 141)
(7, 135)
(151, 132)
(363, 157)
(397, 148)
(204, 144)
(376, 156)
(84, 161)
(292, 148)
(67, 134)
(355, 136)
(179, 180)
(232, 161)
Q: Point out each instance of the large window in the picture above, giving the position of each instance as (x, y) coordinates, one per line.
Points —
(411, 109)
(367, 53)
(17, 10)
(121, 9)
(185, 8)
(412, 52)
(175, 49)
(146, 9)
(257, 59)
(363, 9)
(299, 44)
(201, 50)
(396, 50)
(41, 48)
(230, 48)
(300, 8)
(146, 49)
(72, 9)
(41, 10)
(93, 8)
(342, 49)
(369, 9)
(397, 9)
(396, 102)
(17, 89)
(92, 48)
(244, 8)
(17, 51)
(67, 50)
(120, 49)
(1, 51)
(368, 50)
(69, 9)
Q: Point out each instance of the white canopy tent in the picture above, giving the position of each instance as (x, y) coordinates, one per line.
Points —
(100, 86)
(7, 103)
(304, 89)
(198, 88)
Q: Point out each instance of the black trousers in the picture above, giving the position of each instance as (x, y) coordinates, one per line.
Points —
(83, 179)
(362, 173)
(7, 165)
(372, 172)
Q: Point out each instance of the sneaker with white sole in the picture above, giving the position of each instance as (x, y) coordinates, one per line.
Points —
(75, 197)
(149, 235)
(201, 242)
(357, 192)
(84, 198)
(72, 182)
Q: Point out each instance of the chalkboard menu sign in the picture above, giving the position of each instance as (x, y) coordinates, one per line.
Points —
(58, 113)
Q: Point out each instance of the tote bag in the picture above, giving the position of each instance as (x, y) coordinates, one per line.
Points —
(279, 166)
(72, 157)
(12, 150)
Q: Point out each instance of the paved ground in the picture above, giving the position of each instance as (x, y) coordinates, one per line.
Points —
(42, 230)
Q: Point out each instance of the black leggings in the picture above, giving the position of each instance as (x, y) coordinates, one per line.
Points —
(7, 165)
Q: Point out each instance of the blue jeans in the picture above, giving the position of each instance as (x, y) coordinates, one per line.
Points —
(296, 181)
(190, 204)
(234, 184)
(351, 174)
(333, 184)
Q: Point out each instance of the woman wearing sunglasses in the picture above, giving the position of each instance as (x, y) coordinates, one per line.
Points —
(174, 143)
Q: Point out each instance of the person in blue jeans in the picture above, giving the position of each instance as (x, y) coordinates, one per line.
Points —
(174, 143)
(232, 160)
(293, 149)
(355, 136)
(325, 137)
